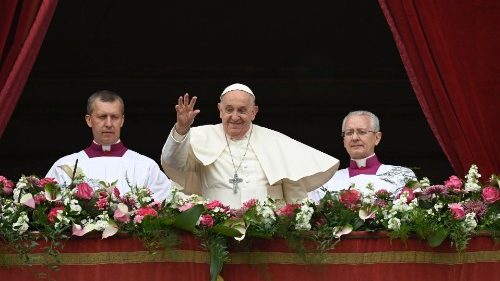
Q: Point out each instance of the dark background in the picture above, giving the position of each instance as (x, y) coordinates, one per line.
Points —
(308, 63)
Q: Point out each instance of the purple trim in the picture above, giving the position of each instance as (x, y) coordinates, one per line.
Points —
(372, 165)
(95, 150)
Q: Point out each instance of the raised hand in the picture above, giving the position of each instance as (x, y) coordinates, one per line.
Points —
(185, 113)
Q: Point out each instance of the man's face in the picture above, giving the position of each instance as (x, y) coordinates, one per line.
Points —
(359, 140)
(237, 111)
(106, 121)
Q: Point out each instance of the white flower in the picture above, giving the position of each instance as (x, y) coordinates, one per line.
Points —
(266, 212)
(469, 223)
(472, 183)
(394, 223)
(303, 217)
(21, 225)
(425, 182)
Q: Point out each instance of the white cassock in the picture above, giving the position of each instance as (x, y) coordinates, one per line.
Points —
(130, 169)
(274, 165)
(388, 177)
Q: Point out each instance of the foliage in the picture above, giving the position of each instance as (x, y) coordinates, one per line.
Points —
(35, 209)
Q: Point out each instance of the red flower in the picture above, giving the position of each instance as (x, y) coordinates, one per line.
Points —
(491, 194)
(350, 197)
(143, 212)
(288, 210)
(52, 216)
(214, 204)
(45, 181)
(84, 191)
(206, 220)
(410, 195)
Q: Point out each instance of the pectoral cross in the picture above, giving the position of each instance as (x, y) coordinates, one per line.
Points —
(235, 180)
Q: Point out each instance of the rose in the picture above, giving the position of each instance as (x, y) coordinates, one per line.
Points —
(206, 220)
(39, 198)
(84, 191)
(350, 197)
(454, 183)
(45, 181)
(491, 194)
(457, 211)
(7, 185)
(52, 216)
(143, 212)
(410, 195)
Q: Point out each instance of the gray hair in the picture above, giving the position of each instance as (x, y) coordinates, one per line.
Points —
(104, 96)
(375, 123)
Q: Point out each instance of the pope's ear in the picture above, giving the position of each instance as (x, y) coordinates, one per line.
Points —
(123, 121)
(255, 110)
(87, 119)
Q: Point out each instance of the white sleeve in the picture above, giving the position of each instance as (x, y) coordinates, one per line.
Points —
(175, 153)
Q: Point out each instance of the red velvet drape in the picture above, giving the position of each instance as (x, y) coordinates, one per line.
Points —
(450, 49)
(23, 25)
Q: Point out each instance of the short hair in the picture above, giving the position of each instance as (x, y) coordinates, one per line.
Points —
(375, 123)
(104, 96)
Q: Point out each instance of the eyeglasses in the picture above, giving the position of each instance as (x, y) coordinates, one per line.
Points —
(359, 132)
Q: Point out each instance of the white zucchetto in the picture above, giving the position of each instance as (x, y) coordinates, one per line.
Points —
(237, 86)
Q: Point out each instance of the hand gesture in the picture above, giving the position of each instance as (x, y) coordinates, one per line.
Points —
(185, 113)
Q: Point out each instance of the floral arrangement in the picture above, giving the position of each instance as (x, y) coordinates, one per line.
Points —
(34, 209)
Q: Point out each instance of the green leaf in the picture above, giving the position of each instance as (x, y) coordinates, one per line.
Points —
(437, 237)
(187, 220)
(227, 229)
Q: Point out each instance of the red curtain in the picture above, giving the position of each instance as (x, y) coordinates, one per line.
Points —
(23, 25)
(450, 49)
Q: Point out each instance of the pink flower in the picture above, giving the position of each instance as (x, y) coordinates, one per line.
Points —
(116, 192)
(102, 202)
(84, 191)
(52, 216)
(43, 182)
(39, 198)
(454, 183)
(410, 195)
(121, 214)
(457, 211)
(475, 206)
(206, 220)
(214, 204)
(249, 204)
(186, 207)
(7, 185)
(350, 197)
(288, 210)
(490, 194)
(143, 212)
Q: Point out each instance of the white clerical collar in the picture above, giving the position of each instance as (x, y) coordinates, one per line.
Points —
(362, 162)
(105, 147)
